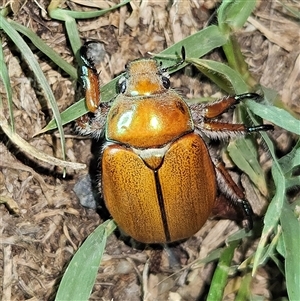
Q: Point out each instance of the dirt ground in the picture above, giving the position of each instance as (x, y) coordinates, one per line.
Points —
(38, 243)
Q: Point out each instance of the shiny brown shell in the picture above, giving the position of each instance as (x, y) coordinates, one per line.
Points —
(158, 180)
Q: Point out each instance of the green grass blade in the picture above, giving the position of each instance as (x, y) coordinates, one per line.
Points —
(5, 79)
(274, 210)
(48, 51)
(60, 14)
(291, 236)
(32, 62)
(237, 12)
(220, 277)
(244, 290)
(79, 278)
(73, 36)
(32, 151)
(291, 160)
(232, 16)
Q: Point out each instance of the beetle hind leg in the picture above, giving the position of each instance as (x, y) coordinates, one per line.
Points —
(231, 204)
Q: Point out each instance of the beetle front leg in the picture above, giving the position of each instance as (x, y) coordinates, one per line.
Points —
(235, 206)
(93, 122)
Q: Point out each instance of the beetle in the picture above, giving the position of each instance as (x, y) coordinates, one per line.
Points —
(159, 178)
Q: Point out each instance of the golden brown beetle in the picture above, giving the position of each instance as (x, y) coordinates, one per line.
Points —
(159, 179)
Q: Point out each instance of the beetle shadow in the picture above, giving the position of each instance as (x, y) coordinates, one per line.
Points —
(88, 187)
(95, 176)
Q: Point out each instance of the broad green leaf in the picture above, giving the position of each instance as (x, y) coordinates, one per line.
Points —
(234, 14)
(238, 13)
(196, 45)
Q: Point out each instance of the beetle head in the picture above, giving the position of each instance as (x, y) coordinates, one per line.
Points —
(144, 78)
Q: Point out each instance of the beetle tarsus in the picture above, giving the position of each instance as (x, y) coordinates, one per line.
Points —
(258, 128)
(247, 209)
(243, 96)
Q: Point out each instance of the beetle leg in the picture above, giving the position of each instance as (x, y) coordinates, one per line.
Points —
(236, 206)
(92, 122)
(219, 107)
(214, 129)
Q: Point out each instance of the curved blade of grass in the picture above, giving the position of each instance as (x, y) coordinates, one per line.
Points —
(243, 152)
(222, 75)
(79, 278)
(60, 14)
(237, 62)
(211, 37)
(29, 57)
(73, 36)
(48, 51)
(78, 109)
(291, 236)
(291, 160)
(273, 213)
(31, 151)
(69, 17)
(5, 79)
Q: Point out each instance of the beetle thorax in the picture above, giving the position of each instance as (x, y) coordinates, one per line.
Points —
(148, 114)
